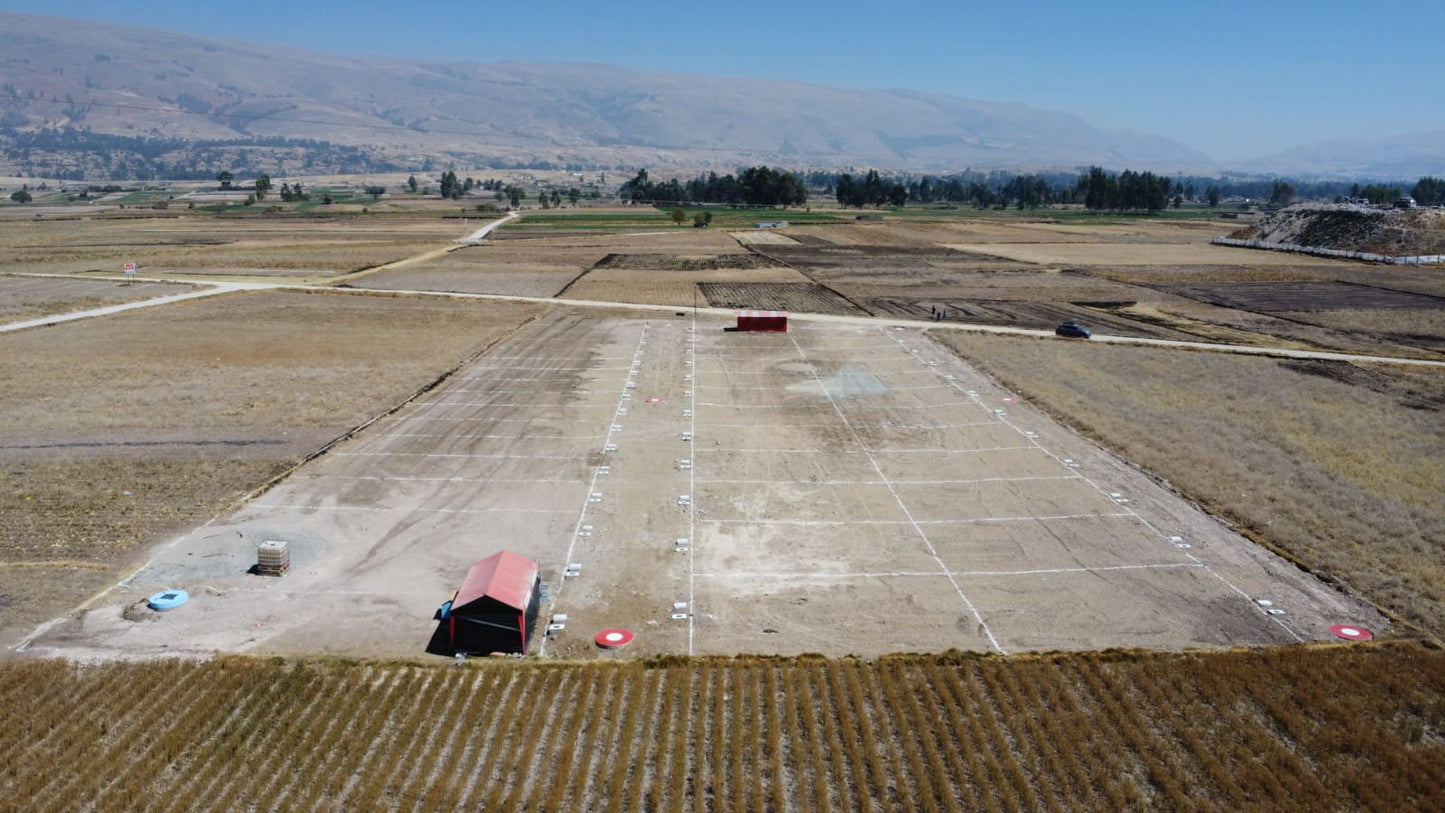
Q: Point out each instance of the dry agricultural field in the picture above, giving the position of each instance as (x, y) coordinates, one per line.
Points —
(1281, 729)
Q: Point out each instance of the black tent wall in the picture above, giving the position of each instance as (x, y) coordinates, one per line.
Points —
(487, 625)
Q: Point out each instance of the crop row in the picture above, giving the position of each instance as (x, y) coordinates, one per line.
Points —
(1296, 728)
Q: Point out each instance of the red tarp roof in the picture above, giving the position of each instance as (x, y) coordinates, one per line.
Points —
(506, 577)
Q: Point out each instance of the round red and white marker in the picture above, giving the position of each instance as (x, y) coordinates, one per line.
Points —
(1351, 633)
(613, 639)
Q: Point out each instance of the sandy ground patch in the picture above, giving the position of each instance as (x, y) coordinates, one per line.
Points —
(763, 237)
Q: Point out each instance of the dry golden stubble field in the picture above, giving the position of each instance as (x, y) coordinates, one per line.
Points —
(521, 236)
(23, 298)
(1337, 465)
(119, 431)
(1426, 325)
(477, 270)
(205, 244)
(1309, 729)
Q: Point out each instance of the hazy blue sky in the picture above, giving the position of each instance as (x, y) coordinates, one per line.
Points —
(1234, 79)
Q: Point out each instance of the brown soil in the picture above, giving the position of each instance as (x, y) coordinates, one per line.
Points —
(805, 297)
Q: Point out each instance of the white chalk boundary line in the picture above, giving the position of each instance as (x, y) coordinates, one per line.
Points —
(429, 418)
(884, 425)
(916, 526)
(774, 388)
(591, 487)
(489, 404)
(513, 391)
(386, 479)
(692, 496)
(383, 509)
(458, 454)
(588, 438)
(866, 451)
(1127, 510)
(535, 365)
(933, 574)
(912, 521)
(836, 483)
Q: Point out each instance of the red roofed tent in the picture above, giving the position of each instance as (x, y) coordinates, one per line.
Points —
(763, 321)
(496, 608)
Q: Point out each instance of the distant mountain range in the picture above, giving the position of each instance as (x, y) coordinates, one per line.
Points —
(139, 82)
(1406, 157)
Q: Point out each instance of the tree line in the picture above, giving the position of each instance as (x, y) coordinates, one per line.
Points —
(754, 186)
(1125, 191)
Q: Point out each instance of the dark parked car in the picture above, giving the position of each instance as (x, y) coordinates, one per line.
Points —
(1073, 330)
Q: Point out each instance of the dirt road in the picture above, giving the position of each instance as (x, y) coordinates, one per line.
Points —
(1250, 350)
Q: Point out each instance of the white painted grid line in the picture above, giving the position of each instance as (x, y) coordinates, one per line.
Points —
(828, 483)
(885, 425)
(487, 437)
(870, 451)
(916, 527)
(582, 404)
(383, 509)
(934, 574)
(1034, 441)
(912, 521)
(591, 488)
(692, 503)
(448, 454)
(509, 391)
(385, 479)
(473, 419)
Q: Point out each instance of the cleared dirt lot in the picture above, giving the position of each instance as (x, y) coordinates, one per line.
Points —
(849, 491)
(789, 480)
